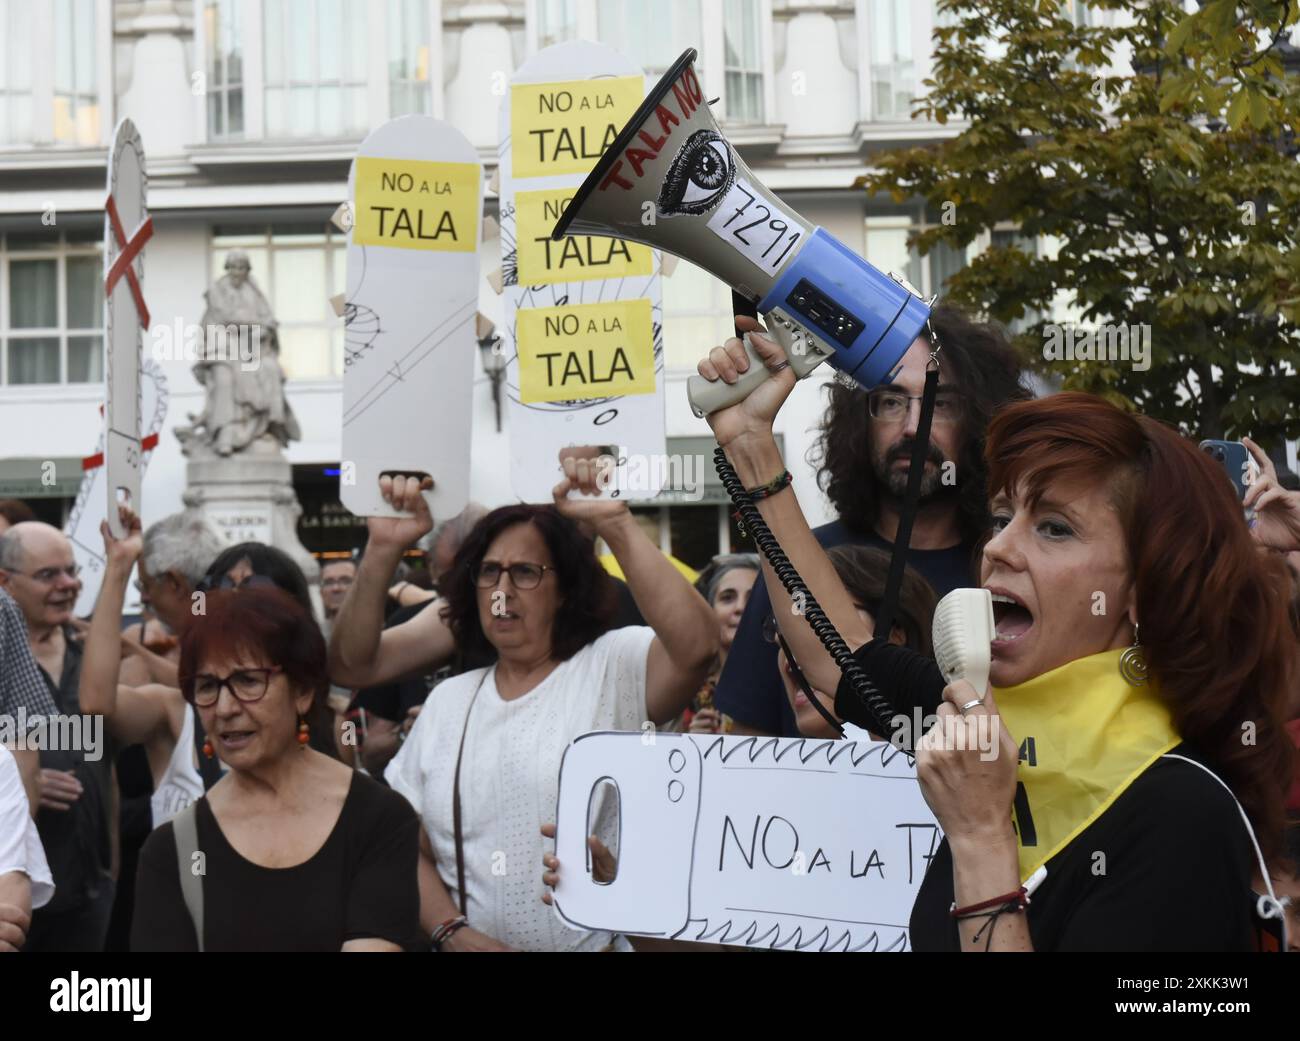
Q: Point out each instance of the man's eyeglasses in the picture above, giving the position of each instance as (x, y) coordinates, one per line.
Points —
(246, 685)
(891, 406)
(335, 583)
(49, 575)
(523, 576)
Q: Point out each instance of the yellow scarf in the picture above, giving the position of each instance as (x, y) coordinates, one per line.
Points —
(1084, 736)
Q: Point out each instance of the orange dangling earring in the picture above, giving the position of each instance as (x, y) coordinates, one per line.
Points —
(207, 747)
(304, 734)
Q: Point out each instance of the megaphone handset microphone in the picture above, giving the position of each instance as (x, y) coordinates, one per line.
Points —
(963, 633)
(671, 181)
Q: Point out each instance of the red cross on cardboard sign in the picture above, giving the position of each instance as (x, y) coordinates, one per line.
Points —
(90, 462)
(123, 264)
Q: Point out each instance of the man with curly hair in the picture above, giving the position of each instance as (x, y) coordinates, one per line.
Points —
(862, 457)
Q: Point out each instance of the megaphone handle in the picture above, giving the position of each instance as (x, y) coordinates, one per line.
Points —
(711, 395)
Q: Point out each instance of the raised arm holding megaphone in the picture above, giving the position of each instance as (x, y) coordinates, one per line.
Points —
(671, 181)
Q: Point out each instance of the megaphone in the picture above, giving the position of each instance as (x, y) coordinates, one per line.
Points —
(671, 181)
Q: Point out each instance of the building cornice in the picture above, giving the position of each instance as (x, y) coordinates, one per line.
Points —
(143, 17)
(510, 15)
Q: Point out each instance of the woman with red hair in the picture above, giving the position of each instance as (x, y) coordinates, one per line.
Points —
(1139, 670)
(300, 853)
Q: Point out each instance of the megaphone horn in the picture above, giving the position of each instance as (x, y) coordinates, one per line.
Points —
(671, 181)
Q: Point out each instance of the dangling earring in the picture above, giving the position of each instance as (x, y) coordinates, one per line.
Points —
(1133, 664)
(207, 747)
(304, 734)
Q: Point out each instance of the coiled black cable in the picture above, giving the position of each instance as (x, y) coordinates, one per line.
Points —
(880, 709)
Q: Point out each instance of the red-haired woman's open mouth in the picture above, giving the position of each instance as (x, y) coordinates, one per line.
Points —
(1012, 619)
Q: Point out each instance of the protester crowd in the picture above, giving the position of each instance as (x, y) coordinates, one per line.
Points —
(374, 765)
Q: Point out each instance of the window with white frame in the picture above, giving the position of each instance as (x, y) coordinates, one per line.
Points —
(314, 67)
(992, 46)
(889, 228)
(1012, 237)
(298, 268)
(50, 65)
(76, 94)
(556, 21)
(743, 61)
(409, 89)
(16, 87)
(225, 68)
(697, 315)
(731, 35)
(893, 69)
(51, 308)
(887, 246)
(652, 35)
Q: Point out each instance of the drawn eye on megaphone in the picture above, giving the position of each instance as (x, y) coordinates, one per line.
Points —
(671, 181)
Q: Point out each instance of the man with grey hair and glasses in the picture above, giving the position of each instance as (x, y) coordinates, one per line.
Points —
(77, 811)
(173, 560)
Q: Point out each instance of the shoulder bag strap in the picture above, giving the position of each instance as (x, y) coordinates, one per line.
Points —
(455, 804)
(186, 831)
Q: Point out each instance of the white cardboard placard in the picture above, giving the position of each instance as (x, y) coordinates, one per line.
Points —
(89, 507)
(126, 229)
(416, 189)
(571, 125)
(787, 843)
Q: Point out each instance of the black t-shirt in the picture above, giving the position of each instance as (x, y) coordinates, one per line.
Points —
(78, 841)
(360, 884)
(750, 688)
(1167, 867)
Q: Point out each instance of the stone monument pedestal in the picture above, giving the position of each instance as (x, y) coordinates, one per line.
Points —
(249, 497)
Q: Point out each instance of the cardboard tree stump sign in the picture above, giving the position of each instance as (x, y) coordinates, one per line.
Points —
(412, 296)
(583, 316)
(786, 843)
(127, 227)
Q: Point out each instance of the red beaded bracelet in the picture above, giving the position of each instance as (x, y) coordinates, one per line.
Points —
(1018, 897)
(445, 929)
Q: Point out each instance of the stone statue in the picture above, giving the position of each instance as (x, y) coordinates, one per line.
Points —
(239, 369)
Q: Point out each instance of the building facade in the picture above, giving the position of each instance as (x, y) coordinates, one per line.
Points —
(250, 112)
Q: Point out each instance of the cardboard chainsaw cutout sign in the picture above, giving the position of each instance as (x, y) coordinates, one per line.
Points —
(127, 227)
(787, 843)
(583, 317)
(412, 296)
